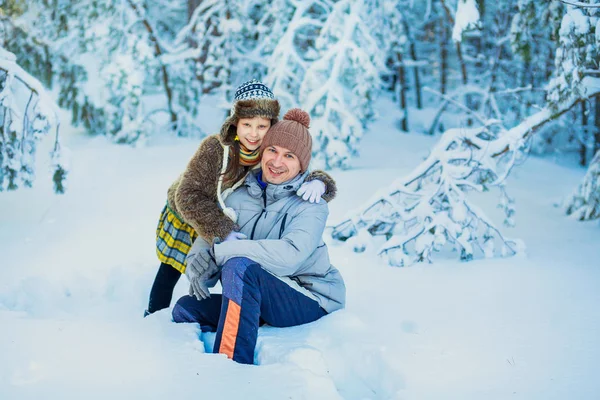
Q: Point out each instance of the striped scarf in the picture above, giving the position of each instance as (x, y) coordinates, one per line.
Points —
(249, 158)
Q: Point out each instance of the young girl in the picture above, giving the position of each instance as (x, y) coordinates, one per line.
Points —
(195, 201)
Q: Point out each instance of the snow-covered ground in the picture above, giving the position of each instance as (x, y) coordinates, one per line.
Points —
(76, 270)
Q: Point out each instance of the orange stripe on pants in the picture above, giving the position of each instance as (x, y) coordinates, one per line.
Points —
(230, 329)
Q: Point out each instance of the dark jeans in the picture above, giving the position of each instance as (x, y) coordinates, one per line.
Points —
(162, 288)
(250, 295)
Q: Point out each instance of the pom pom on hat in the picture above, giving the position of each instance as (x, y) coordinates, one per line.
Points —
(298, 115)
(292, 133)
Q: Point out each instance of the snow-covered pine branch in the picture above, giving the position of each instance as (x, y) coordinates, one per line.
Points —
(578, 51)
(341, 83)
(428, 209)
(210, 32)
(466, 17)
(580, 4)
(584, 203)
(291, 54)
(27, 114)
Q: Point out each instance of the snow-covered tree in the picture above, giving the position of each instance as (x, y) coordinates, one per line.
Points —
(429, 209)
(576, 78)
(262, 26)
(228, 42)
(533, 36)
(125, 41)
(577, 56)
(421, 213)
(210, 36)
(295, 29)
(106, 57)
(391, 35)
(584, 203)
(27, 113)
(341, 83)
(466, 18)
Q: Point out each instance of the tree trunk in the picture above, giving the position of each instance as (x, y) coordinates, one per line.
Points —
(461, 61)
(584, 133)
(597, 125)
(463, 66)
(413, 56)
(192, 5)
(402, 92)
(481, 8)
(443, 56)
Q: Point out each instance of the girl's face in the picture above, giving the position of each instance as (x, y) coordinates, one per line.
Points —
(251, 131)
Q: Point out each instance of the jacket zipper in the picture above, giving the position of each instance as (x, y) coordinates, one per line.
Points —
(256, 223)
(264, 195)
(281, 229)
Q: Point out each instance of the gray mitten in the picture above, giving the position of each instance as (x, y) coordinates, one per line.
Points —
(200, 267)
(199, 289)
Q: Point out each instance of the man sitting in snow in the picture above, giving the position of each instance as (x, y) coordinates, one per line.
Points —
(281, 274)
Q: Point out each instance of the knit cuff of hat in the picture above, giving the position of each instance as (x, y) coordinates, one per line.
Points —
(290, 142)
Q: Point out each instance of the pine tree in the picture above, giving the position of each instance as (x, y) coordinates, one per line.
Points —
(577, 68)
(341, 84)
(211, 35)
(294, 32)
(533, 34)
(584, 203)
(576, 56)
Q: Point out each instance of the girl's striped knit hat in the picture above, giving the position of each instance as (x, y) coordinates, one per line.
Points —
(253, 90)
(252, 99)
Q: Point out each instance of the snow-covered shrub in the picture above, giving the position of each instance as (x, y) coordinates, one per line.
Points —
(584, 203)
(26, 115)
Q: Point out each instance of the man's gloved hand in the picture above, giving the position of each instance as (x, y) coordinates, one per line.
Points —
(312, 191)
(235, 236)
(200, 267)
(199, 289)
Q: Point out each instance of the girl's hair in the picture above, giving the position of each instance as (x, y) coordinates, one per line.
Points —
(234, 168)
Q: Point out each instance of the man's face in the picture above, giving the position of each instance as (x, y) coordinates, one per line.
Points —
(251, 131)
(279, 165)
